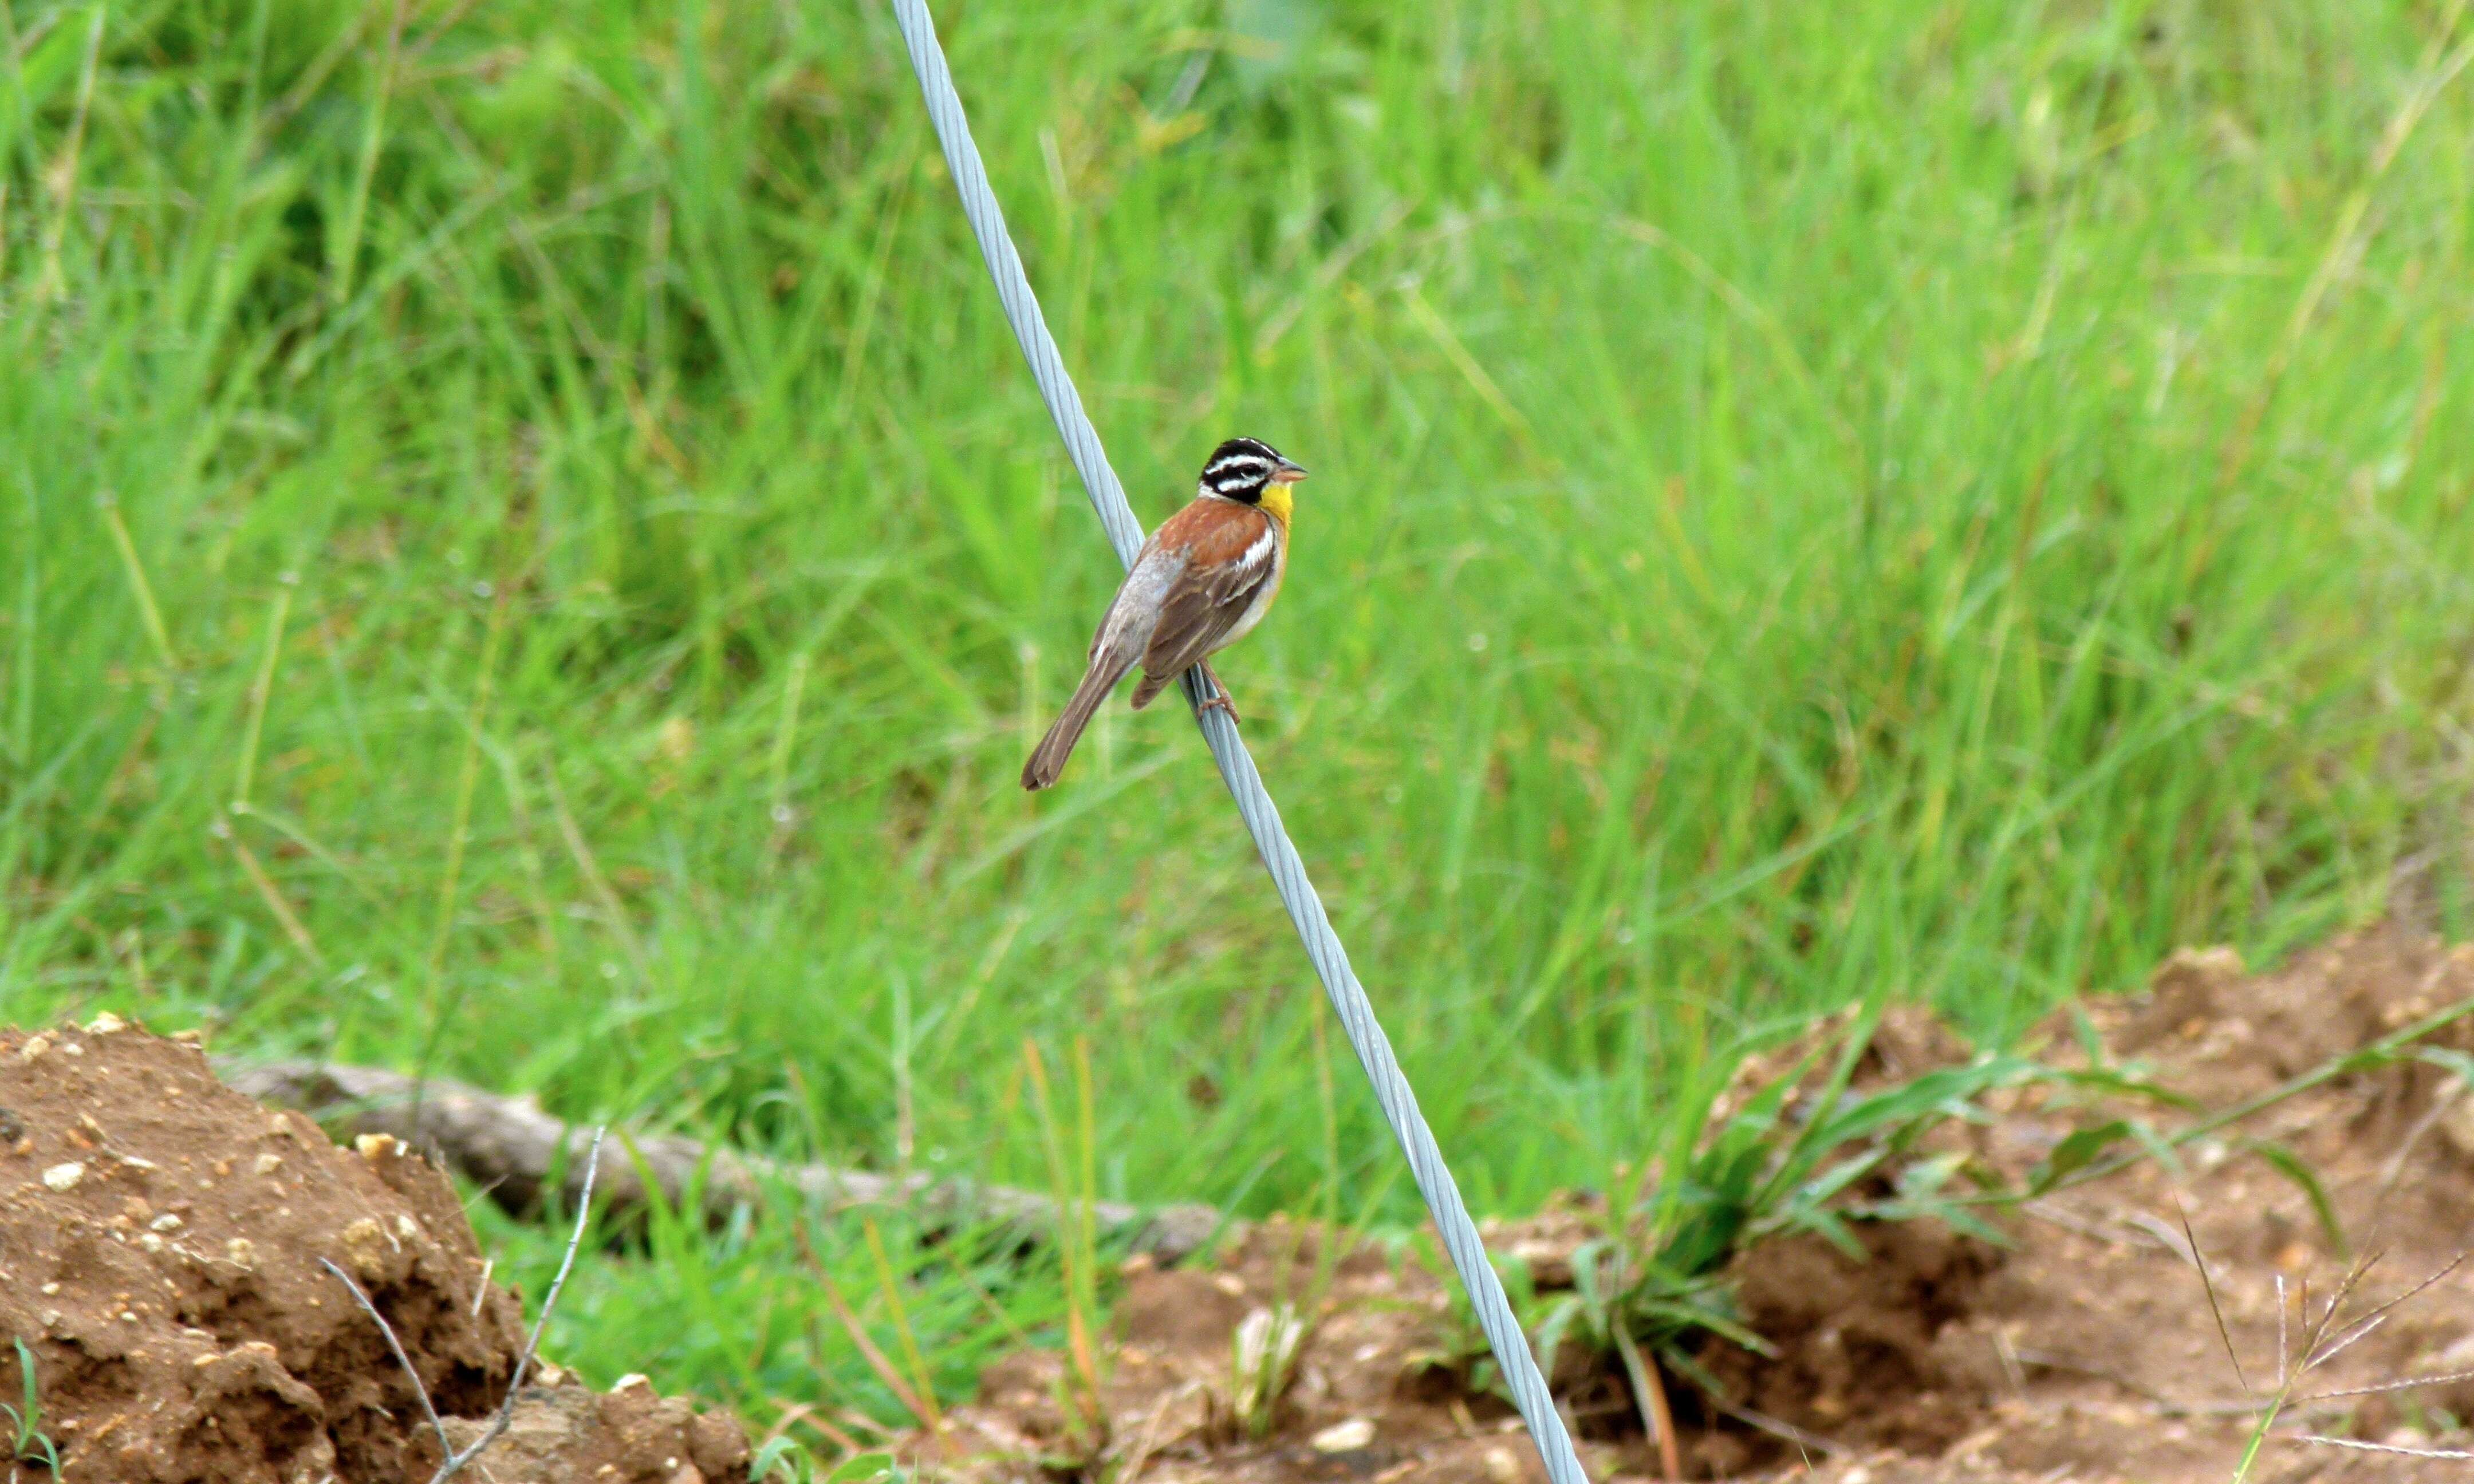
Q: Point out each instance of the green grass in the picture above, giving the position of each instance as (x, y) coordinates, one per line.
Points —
(737, 1316)
(526, 548)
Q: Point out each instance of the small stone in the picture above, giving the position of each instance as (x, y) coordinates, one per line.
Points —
(64, 1177)
(51, 1288)
(363, 1239)
(1229, 1283)
(242, 1254)
(373, 1146)
(269, 1163)
(546, 1428)
(405, 1226)
(106, 1024)
(166, 1222)
(149, 1242)
(71, 1048)
(35, 1046)
(1501, 1465)
(1345, 1437)
(630, 1381)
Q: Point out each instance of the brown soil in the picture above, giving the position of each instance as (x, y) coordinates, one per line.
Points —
(2084, 1350)
(159, 1245)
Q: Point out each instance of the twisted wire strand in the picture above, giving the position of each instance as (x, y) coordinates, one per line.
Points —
(1348, 1000)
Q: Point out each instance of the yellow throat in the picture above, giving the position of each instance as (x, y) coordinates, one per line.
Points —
(1277, 502)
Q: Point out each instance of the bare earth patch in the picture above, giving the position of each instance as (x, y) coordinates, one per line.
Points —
(159, 1245)
(2085, 1350)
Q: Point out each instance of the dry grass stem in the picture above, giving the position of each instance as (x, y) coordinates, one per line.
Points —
(454, 1463)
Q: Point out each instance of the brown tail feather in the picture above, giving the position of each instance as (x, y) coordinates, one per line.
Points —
(1048, 759)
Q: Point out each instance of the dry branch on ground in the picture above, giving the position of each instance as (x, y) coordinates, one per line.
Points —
(512, 1147)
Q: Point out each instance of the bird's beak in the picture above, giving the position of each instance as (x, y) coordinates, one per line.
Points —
(1286, 473)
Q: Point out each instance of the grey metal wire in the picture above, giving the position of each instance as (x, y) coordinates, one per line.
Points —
(1262, 817)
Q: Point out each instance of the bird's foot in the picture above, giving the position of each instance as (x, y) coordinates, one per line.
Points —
(1220, 700)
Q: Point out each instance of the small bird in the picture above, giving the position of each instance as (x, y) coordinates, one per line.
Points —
(1200, 584)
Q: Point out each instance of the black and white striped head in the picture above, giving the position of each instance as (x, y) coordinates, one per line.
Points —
(1242, 468)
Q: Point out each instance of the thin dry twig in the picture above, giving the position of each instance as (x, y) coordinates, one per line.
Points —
(2157, 1228)
(2157, 1401)
(454, 1462)
(2214, 1308)
(1776, 1427)
(1147, 1440)
(429, 1408)
(2389, 1386)
(2394, 1169)
(2062, 1216)
(532, 1345)
(2361, 1446)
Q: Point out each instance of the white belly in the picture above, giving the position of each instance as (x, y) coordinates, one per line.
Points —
(1263, 596)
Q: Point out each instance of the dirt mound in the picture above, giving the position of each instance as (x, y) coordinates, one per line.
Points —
(1859, 1355)
(2086, 1348)
(1363, 1402)
(159, 1245)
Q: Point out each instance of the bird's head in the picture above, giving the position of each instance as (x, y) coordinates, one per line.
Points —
(1247, 471)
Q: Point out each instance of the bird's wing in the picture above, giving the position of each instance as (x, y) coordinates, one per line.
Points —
(1234, 551)
(1125, 630)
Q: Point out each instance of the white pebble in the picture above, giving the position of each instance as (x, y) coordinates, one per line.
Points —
(1345, 1437)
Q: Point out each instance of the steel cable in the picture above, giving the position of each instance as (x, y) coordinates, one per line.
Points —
(1349, 1001)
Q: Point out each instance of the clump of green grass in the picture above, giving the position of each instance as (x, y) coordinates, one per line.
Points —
(1262, 1365)
(27, 1441)
(1806, 1150)
(525, 548)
